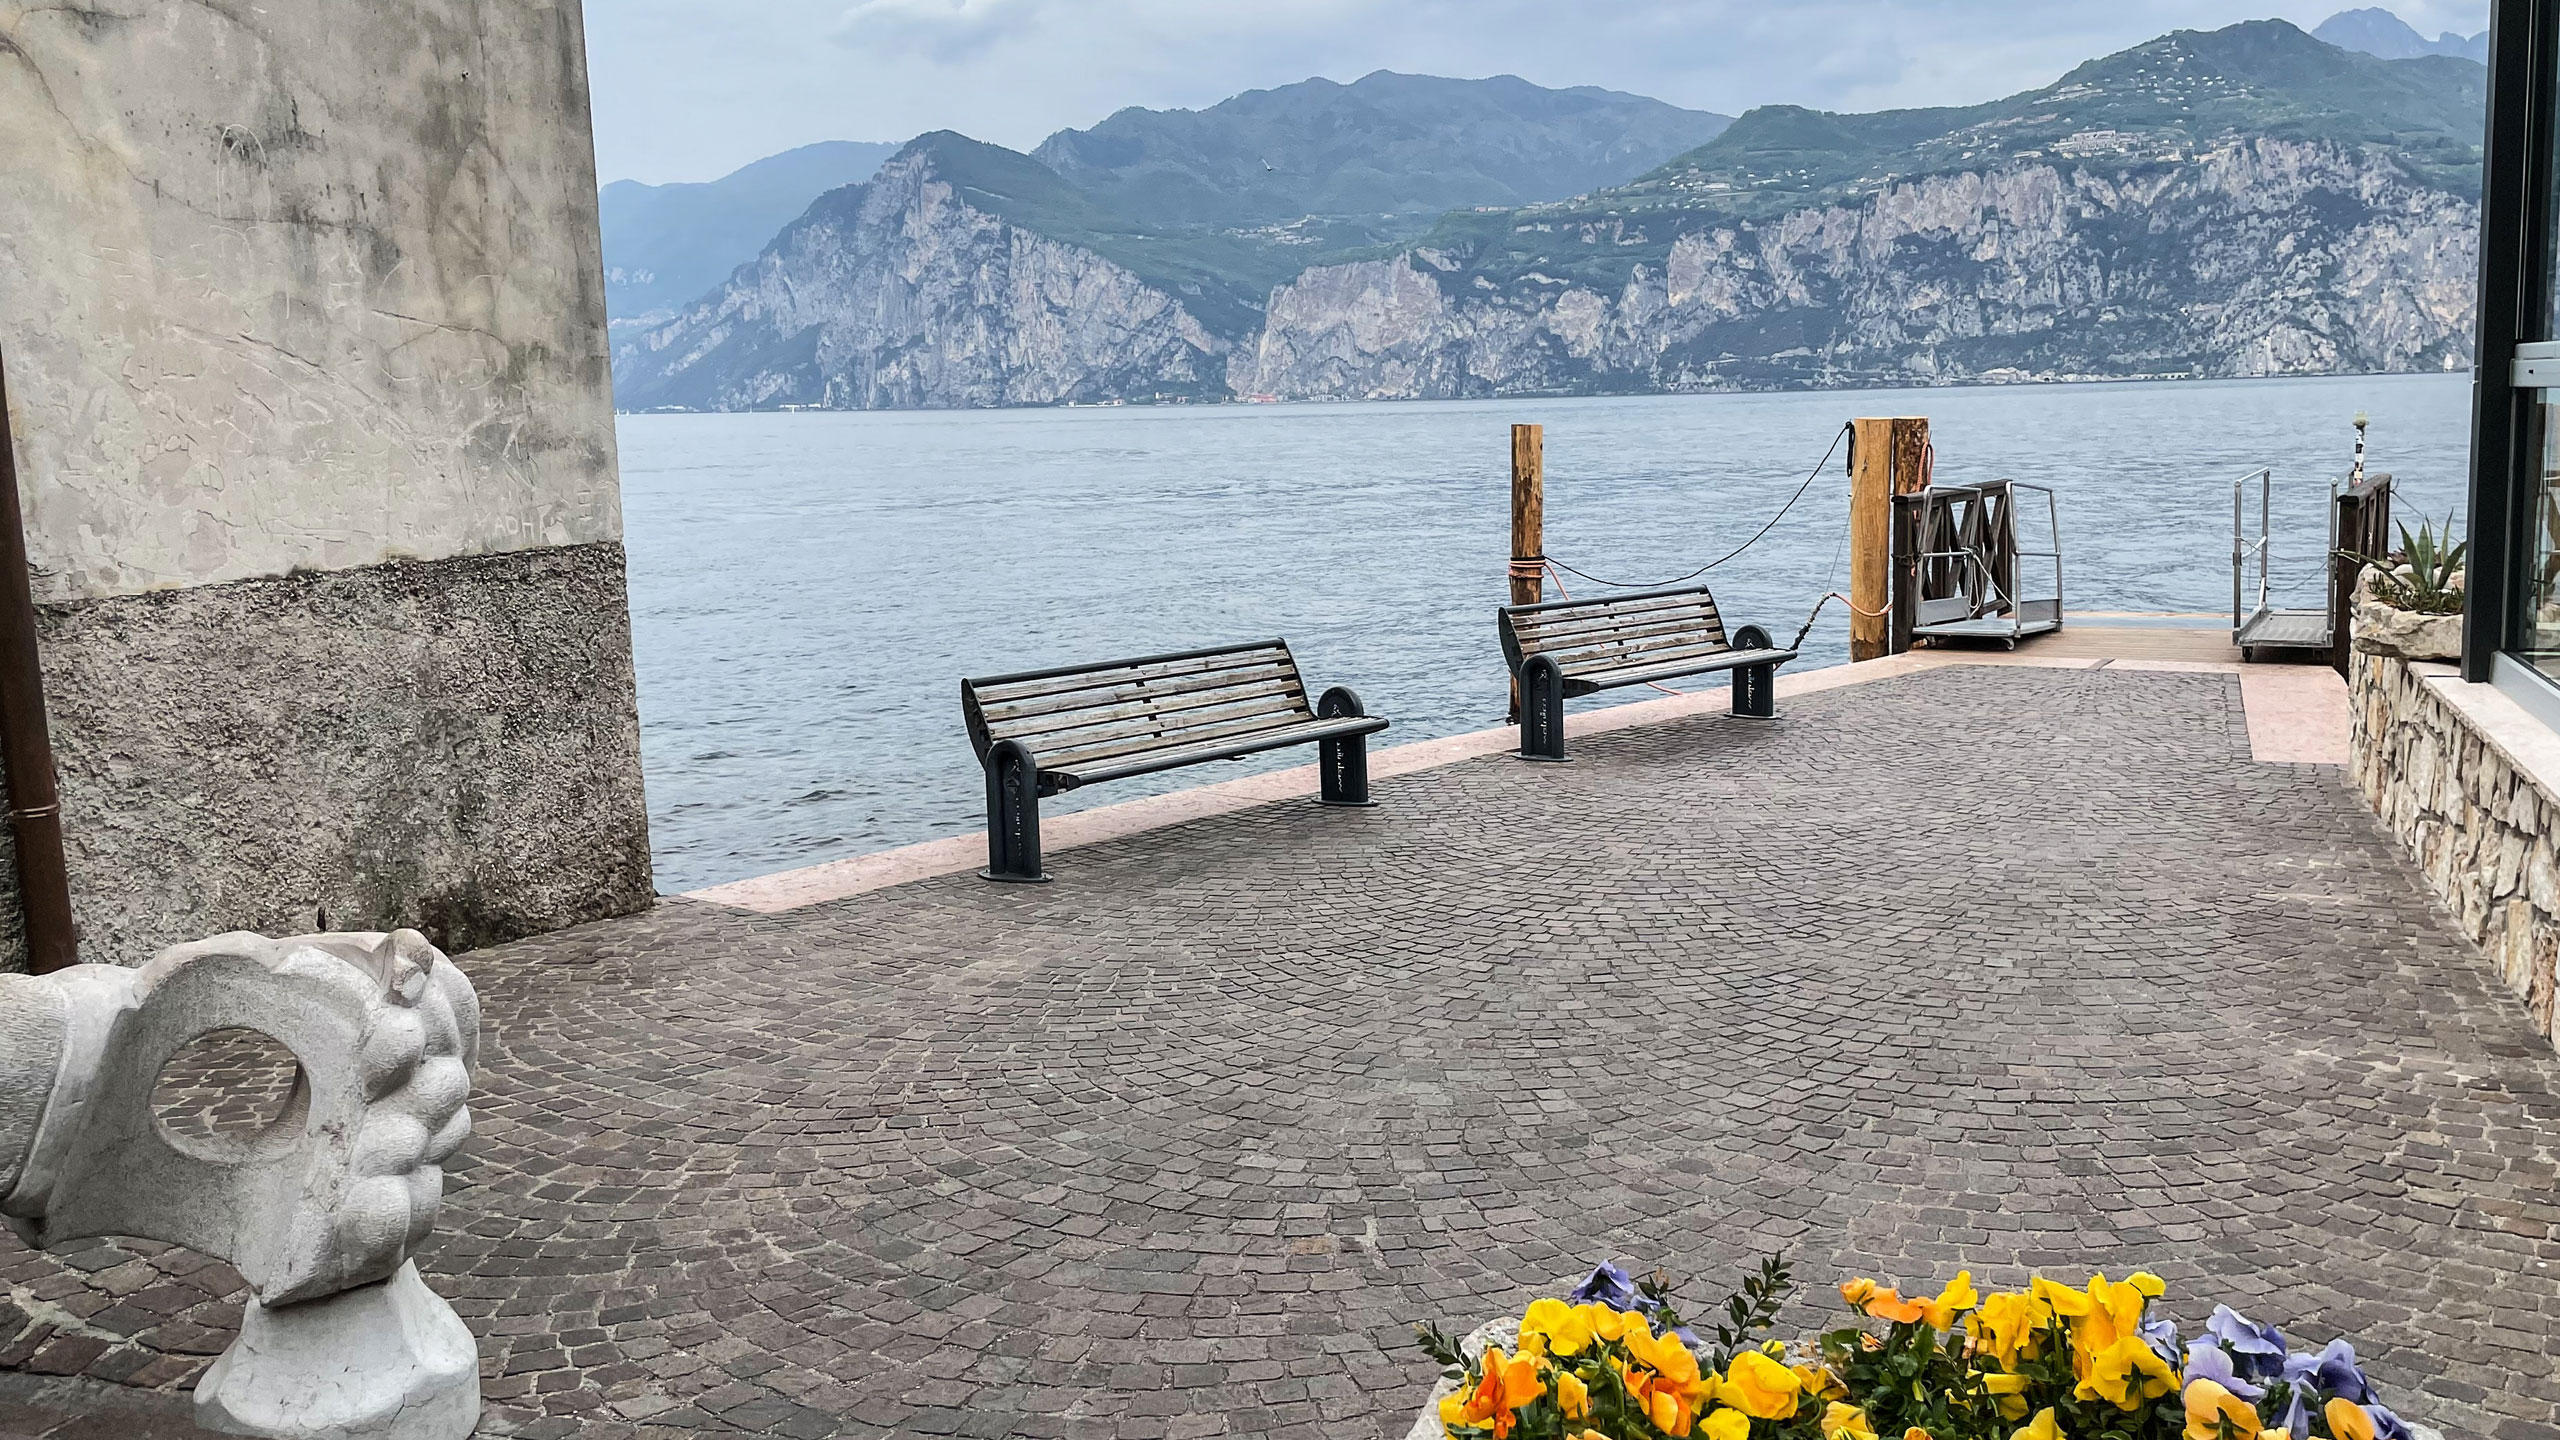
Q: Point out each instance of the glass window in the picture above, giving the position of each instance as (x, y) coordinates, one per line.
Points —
(2537, 622)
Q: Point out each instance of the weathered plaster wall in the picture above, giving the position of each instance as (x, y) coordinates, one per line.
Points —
(299, 285)
(417, 744)
(303, 312)
(2466, 780)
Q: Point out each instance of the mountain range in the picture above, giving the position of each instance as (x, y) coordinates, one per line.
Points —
(2381, 33)
(2242, 201)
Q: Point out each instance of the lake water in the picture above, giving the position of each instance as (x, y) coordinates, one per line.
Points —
(807, 589)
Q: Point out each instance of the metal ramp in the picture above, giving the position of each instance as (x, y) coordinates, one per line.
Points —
(2359, 522)
(2255, 622)
(1969, 562)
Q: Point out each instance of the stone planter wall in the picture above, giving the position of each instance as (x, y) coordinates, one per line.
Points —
(2481, 818)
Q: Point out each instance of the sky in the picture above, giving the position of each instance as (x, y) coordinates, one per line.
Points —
(692, 89)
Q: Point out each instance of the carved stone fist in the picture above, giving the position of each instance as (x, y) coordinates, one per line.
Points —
(333, 1195)
(314, 1210)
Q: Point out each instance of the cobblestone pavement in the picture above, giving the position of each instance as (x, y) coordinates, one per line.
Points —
(2002, 966)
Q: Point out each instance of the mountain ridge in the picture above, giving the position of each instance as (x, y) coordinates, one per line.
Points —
(1723, 266)
(665, 245)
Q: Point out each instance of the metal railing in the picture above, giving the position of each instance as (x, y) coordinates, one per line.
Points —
(2242, 548)
(2265, 475)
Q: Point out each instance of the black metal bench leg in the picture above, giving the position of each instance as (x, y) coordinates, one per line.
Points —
(1755, 691)
(1541, 710)
(1755, 687)
(1013, 814)
(1342, 765)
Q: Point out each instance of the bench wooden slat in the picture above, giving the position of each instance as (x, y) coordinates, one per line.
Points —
(1572, 612)
(1005, 713)
(1039, 732)
(1072, 759)
(1583, 637)
(1578, 647)
(1279, 709)
(1590, 682)
(1137, 718)
(1148, 762)
(1002, 688)
(1601, 664)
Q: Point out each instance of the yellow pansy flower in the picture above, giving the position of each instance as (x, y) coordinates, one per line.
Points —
(2348, 1420)
(1572, 1396)
(2209, 1404)
(2005, 1326)
(1508, 1384)
(2115, 1312)
(2046, 1426)
(1605, 1323)
(1886, 1303)
(2126, 1374)
(2149, 1284)
(1958, 1297)
(1761, 1387)
(1846, 1422)
(1562, 1329)
(2061, 1299)
(1728, 1424)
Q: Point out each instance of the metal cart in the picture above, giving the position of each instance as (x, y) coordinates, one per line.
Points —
(1970, 565)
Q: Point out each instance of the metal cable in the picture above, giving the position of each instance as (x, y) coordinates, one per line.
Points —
(1819, 466)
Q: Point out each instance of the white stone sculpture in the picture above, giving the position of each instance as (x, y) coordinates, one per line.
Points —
(318, 1212)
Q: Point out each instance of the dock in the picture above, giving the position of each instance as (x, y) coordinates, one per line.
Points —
(2085, 956)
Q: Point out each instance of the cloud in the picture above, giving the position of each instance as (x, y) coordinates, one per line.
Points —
(688, 89)
(947, 32)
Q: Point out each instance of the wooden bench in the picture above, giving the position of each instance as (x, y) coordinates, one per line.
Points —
(1042, 732)
(1577, 647)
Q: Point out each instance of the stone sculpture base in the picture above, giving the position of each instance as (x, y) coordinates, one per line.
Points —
(380, 1362)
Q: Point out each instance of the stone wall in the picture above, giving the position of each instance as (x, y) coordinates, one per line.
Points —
(2477, 809)
(303, 314)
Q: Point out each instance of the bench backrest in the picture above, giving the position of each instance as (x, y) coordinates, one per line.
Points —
(1617, 631)
(1081, 714)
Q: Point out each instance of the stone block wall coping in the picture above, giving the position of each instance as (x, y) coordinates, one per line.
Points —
(2532, 747)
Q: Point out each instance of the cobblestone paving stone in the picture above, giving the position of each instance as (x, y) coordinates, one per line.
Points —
(2001, 966)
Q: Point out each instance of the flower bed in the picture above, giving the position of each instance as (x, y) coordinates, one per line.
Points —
(1615, 1360)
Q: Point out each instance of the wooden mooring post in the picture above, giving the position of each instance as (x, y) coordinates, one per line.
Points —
(1887, 457)
(1528, 524)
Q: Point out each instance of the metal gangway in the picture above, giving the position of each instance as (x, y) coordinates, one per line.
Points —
(1969, 563)
(2359, 522)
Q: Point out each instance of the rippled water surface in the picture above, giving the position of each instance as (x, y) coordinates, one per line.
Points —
(807, 589)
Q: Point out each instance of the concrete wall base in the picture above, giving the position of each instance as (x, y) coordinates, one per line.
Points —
(450, 746)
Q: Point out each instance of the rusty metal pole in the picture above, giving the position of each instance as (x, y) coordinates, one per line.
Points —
(26, 745)
(1528, 524)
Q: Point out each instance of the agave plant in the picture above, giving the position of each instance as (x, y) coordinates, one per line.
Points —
(2424, 575)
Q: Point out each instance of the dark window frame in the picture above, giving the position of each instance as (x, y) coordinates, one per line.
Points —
(2515, 307)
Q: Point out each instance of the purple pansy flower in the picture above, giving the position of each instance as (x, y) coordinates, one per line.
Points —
(1608, 1286)
(2333, 1370)
(2297, 1413)
(2387, 1426)
(2258, 1350)
(2163, 1335)
(2207, 1360)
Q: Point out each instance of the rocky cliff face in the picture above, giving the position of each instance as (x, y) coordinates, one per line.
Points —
(2255, 258)
(901, 294)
